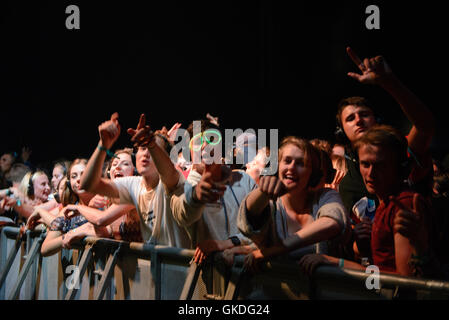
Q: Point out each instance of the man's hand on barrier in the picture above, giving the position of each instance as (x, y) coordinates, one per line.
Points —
(206, 247)
(252, 261)
(310, 262)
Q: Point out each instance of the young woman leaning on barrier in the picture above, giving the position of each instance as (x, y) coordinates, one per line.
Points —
(286, 215)
(70, 193)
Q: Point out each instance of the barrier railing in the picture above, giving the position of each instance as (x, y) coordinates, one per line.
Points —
(117, 270)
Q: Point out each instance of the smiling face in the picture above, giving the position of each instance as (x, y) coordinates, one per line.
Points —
(356, 120)
(41, 187)
(294, 169)
(122, 166)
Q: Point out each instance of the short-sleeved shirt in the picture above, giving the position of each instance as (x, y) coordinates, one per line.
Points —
(382, 234)
(273, 227)
(153, 207)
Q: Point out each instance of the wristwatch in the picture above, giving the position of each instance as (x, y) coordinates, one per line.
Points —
(235, 241)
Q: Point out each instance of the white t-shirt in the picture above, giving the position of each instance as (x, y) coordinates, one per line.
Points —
(216, 221)
(153, 206)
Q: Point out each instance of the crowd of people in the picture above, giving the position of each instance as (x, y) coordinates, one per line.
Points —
(374, 196)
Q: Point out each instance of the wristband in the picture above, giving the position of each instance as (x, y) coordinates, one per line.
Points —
(108, 152)
(341, 263)
(235, 241)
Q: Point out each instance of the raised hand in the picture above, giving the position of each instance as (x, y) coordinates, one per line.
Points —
(271, 186)
(409, 222)
(143, 135)
(172, 132)
(109, 131)
(207, 190)
(374, 70)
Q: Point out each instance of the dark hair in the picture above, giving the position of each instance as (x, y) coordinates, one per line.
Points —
(351, 101)
(325, 150)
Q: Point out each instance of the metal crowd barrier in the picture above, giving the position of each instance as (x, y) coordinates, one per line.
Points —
(116, 270)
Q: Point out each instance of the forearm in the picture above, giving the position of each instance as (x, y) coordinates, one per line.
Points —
(51, 245)
(256, 202)
(167, 171)
(46, 216)
(414, 109)
(102, 218)
(24, 210)
(92, 174)
(322, 229)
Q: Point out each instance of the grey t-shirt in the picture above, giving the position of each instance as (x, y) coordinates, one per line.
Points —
(273, 225)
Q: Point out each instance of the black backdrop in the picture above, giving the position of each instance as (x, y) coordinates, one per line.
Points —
(255, 64)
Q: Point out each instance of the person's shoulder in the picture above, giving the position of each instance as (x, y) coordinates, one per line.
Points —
(329, 195)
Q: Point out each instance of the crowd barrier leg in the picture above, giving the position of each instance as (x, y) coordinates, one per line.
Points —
(190, 283)
(232, 292)
(84, 262)
(35, 250)
(107, 273)
(10, 260)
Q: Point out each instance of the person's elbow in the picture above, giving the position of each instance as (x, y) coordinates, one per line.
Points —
(332, 227)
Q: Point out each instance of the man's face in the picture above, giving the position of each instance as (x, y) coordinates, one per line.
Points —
(356, 121)
(379, 169)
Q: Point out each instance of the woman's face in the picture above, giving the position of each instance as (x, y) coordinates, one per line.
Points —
(41, 188)
(58, 174)
(75, 177)
(122, 166)
(293, 171)
(62, 186)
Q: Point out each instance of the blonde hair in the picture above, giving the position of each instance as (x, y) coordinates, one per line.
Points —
(26, 187)
(311, 157)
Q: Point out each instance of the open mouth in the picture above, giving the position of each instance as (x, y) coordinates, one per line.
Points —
(289, 178)
(118, 174)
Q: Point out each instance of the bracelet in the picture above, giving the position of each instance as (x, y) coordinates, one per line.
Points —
(108, 152)
(341, 263)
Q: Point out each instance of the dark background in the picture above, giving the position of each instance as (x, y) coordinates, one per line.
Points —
(254, 64)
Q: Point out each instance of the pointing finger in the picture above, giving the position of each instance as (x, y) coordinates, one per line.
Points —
(355, 58)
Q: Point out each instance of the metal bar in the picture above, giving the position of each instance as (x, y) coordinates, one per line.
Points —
(232, 291)
(10, 261)
(26, 267)
(85, 259)
(190, 283)
(108, 270)
(156, 271)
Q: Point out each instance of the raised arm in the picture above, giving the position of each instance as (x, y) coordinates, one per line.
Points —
(91, 180)
(376, 71)
(142, 136)
(270, 187)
